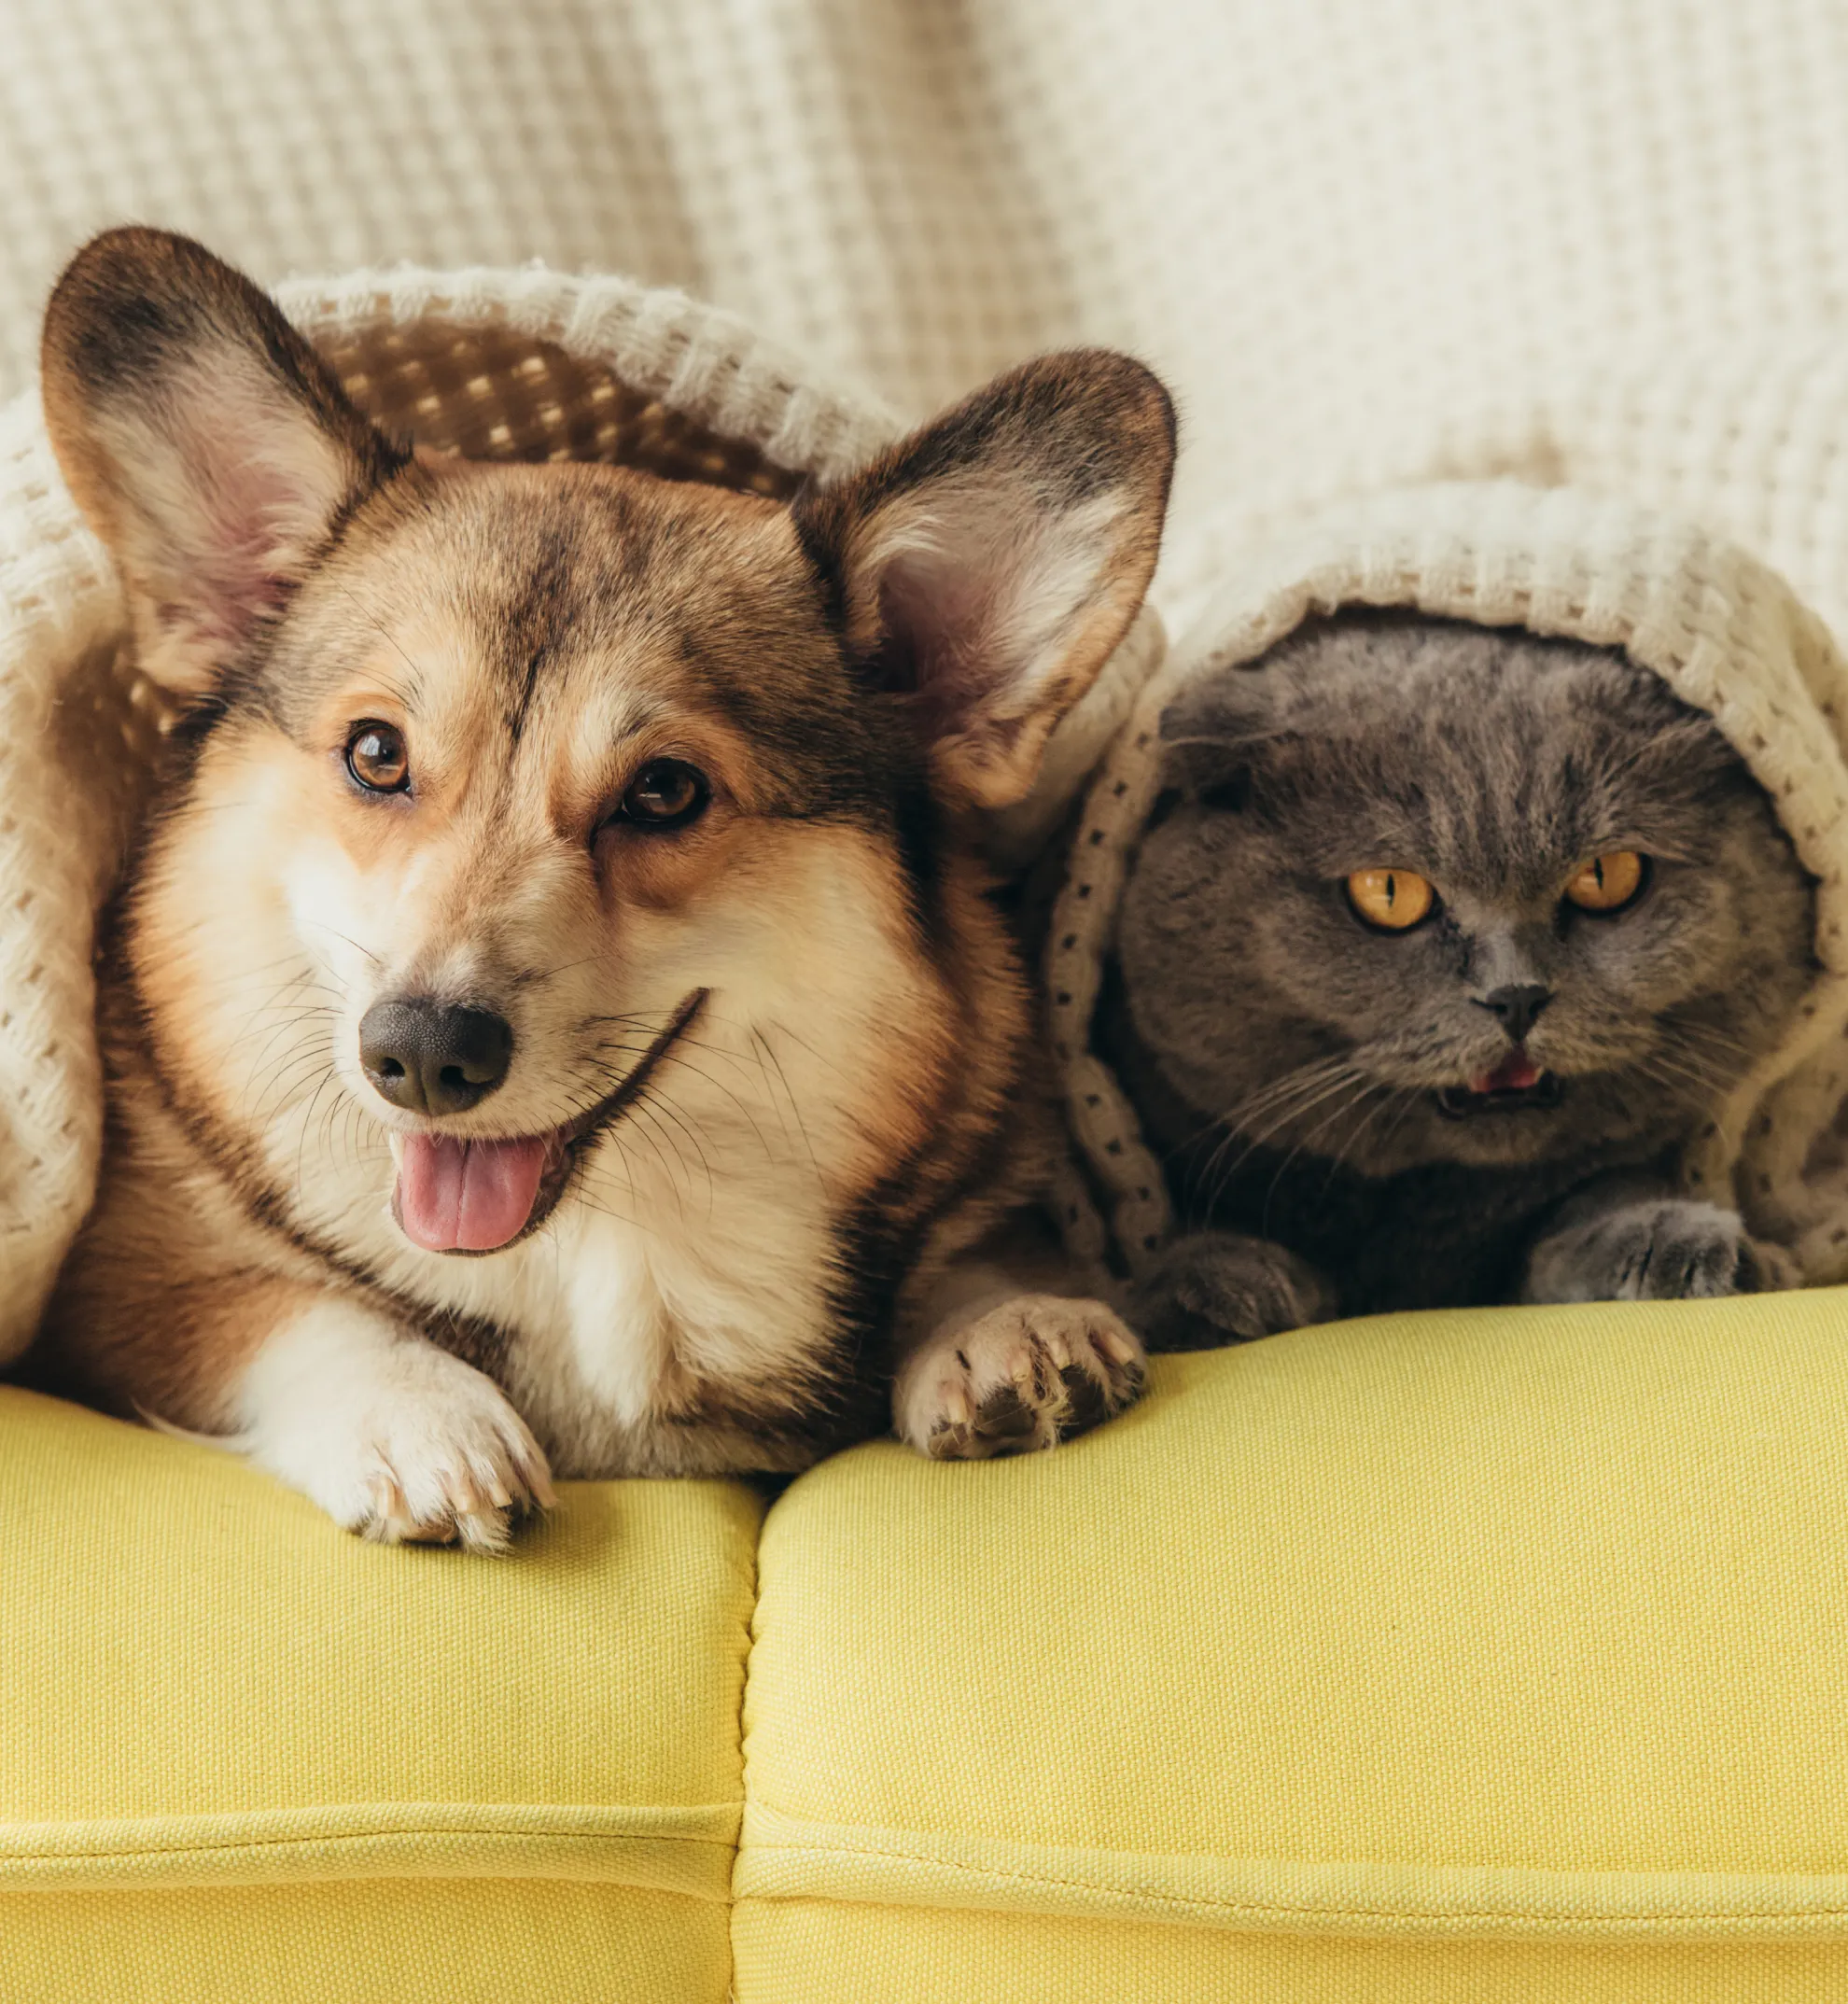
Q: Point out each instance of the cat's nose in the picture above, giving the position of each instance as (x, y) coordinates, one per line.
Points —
(1516, 1007)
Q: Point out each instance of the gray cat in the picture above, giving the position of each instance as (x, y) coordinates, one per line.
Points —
(1441, 945)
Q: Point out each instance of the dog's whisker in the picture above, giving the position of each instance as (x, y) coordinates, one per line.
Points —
(327, 1076)
(325, 927)
(763, 1043)
(538, 978)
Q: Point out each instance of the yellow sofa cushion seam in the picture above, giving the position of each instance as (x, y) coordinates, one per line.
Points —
(783, 1857)
(679, 1850)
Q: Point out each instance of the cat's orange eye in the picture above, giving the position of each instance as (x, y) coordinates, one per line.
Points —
(1607, 882)
(1394, 900)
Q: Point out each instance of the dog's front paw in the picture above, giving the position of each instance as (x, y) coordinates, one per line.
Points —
(455, 1465)
(395, 1438)
(1024, 1374)
(1667, 1249)
(1221, 1287)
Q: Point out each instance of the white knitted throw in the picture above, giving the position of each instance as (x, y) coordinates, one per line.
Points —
(1725, 633)
(1589, 241)
(1586, 243)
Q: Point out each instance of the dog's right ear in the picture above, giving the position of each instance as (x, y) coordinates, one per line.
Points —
(207, 445)
(983, 568)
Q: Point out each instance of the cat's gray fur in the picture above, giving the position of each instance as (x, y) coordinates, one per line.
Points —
(1286, 1058)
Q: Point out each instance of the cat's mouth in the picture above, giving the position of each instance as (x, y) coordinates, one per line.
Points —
(1515, 1083)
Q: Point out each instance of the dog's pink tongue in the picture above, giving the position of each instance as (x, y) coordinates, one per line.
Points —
(466, 1197)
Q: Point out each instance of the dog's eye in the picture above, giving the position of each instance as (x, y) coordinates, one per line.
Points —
(1607, 883)
(1393, 900)
(376, 758)
(664, 793)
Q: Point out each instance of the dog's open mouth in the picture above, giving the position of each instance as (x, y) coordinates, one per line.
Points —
(477, 1195)
(1514, 1083)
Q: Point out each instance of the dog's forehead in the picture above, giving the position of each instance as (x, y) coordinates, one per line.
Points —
(566, 609)
(523, 585)
(568, 565)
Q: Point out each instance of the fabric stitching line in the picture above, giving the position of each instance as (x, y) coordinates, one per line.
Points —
(235, 1844)
(460, 1826)
(756, 1593)
(1207, 1901)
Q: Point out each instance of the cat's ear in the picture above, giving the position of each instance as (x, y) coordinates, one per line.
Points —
(1215, 735)
(984, 568)
(206, 442)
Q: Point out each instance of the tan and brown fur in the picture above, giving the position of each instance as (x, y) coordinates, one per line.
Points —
(800, 1208)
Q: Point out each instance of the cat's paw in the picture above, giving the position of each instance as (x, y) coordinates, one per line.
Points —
(396, 1439)
(1024, 1375)
(1664, 1248)
(1221, 1287)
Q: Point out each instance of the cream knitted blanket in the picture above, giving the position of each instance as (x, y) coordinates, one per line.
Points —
(1585, 243)
(1595, 240)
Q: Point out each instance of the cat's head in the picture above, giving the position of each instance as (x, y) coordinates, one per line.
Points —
(1419, 891)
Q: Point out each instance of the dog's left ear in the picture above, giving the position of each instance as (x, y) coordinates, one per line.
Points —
(985, 567)
(207, 445)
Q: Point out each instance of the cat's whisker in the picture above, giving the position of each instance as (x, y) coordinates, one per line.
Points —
(1366, 1085)
(1713, 1046)
(1405, 1096)
(1306, 1094)
(1683, 1080)
(1412, 1095)
(1254, 1138)
(1279, 1099)
(1292, 1086)
(1708, 1063)
(1235, 1118)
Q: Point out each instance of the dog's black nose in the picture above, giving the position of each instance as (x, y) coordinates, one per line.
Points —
(1516, 1007)
(431, 1059)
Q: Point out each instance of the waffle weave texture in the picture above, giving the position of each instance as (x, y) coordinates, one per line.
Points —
(1589, 240)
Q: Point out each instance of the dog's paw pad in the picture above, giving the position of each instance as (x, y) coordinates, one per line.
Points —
(454, 1477)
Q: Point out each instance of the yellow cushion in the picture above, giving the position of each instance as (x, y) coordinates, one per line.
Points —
(247, 1757)
(1478, 1656)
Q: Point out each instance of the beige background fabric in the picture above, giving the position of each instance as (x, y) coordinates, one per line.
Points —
(1599, 238)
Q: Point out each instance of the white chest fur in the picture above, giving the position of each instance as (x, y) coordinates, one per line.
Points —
(653, 1274)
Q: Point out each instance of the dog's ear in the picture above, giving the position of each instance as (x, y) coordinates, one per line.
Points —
(206, 441)
(985, 568)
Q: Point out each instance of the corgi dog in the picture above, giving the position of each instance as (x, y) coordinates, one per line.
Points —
(556, 1020)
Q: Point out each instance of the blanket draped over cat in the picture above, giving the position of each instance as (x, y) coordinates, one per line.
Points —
(1727, 636)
